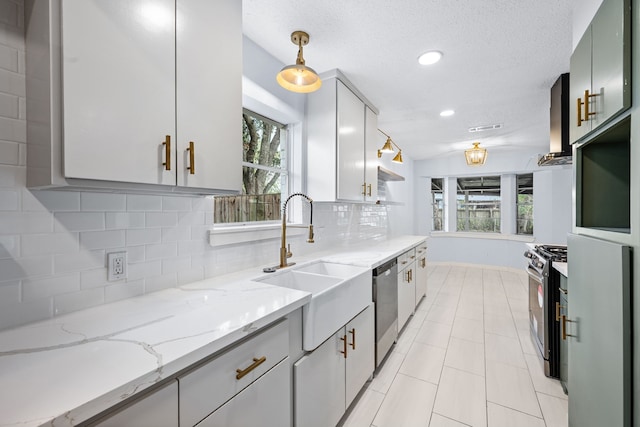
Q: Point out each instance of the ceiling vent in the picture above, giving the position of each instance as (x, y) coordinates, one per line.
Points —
(487, 127)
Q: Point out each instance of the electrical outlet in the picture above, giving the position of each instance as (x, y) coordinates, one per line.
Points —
(116, 266)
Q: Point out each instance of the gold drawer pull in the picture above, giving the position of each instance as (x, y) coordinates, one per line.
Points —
(588, 113)
(344, 343)
(353, 338)
(192, 158)
(364, 189)
(256, 362)
(564, 328)
(579, 111)
(369, 192)
(167, 152)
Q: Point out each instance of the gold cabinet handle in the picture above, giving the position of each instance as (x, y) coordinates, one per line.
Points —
(579, 111)
(369, 192)
(423, 262)
(167, 152)
(588, 113)
(564, 328)
(411, 275)
(364, 189)
(192, 158)
(344, 342)
(256, 362)
(558, 307)
(353, 338)
(564, 291)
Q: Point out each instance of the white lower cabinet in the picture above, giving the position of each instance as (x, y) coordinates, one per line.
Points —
(266, 402)
(406, 287)
(328, 379)
(159, 409)
(212, 384)
(421, 272)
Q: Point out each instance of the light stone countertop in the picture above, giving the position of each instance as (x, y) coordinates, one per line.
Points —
(65, 370)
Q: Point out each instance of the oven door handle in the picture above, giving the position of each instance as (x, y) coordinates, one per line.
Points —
(533, 273)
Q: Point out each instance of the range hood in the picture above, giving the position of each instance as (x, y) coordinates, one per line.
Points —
(560, 149)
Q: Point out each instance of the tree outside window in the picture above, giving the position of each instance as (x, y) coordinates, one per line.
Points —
(524, 204)
(264, 173)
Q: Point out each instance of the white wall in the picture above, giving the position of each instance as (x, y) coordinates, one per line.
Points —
(552, 206)
(53, 244)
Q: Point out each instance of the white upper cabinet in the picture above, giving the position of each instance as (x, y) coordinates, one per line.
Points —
(135, 95)
(600, 83)
(341, 162)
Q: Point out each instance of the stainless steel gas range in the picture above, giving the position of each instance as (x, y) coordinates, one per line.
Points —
(544, 294)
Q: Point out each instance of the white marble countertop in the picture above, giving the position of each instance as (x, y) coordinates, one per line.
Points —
(65, 370)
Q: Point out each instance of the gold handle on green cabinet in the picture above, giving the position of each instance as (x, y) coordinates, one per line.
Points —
(558, 307)
(344, 345)
(587, 101)
(256, 362)
(579, 111)
(167, 152)
(369, 192)
(192, 158)
(564, 328)
(353, 338)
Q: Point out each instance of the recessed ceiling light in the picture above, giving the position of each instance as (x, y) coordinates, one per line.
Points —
(430, 57)
(447, 113)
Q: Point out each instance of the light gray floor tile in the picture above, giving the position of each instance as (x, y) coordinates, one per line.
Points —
(365, 409)
(468, 329)
(424, 362)
(384, 377)
(406, 339)
(438, 420)
(505, 350)
(461, 397)
(408, 403)
(441, 313)
(555, 410)
(465, 355)
(434, 333)
(499, 324)
(511, 387)
(542, 383)
(499, 416)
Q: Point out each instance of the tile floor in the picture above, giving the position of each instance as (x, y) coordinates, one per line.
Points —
(464, 359)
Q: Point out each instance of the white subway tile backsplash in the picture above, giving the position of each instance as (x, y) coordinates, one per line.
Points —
(13, 129)
(49, 243)
(84, 260)
(124, 220)
(183, 204)
(102, 239)
(189, 276)
(50, 286)
(134, 253)
(10, 293)
(79, 221)
(191, 247)
(9, 247)
(145, 236)
(75, 301)
(176, 234)
(9, 200)
(26, 312)
(103, 202)
(21, 268)
(143, 270)
(93, 278)
(14, 84)
(25, 222)
(50, 201)
(9, 152)
(161, 219)
(153, 284)
(161, 251)
(137, 202)
(191, 218)
(122, 291)
(9, 104)
(176, 265)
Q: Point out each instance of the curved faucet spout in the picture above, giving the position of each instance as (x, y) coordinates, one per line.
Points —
(285, 251)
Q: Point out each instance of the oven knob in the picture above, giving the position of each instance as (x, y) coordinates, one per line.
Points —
(527, 254)
(539, 264)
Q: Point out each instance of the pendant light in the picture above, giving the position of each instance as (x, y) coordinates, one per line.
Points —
(298, 77)
(475, 156)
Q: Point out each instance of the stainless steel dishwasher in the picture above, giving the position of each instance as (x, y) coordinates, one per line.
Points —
(385, 296)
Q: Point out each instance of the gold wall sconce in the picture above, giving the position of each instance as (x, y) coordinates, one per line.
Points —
(298, 77)
(475, 156)
(388, 148)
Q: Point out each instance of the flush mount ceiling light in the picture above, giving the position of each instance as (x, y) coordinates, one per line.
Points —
(388, 148)
(475, 156)
(429, 58)
(298, 77)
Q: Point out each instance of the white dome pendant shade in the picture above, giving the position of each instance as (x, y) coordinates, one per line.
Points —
(298, 77)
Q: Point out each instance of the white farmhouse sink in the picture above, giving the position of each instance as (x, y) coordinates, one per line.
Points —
(338, 293)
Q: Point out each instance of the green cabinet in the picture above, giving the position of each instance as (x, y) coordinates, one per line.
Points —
(600, 85)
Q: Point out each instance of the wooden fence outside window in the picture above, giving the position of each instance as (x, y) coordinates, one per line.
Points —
(247, 208)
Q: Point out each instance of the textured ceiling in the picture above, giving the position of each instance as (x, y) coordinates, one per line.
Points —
(500, 59)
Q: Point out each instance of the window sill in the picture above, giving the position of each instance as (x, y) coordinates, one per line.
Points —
(481, 235)
(236, 234)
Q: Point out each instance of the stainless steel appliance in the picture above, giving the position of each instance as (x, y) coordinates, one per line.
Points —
(544, 293)
(385, 297)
